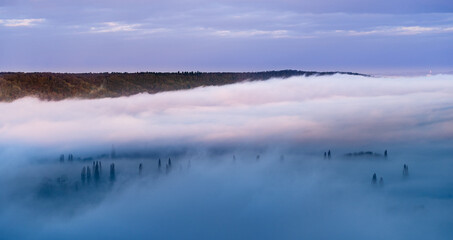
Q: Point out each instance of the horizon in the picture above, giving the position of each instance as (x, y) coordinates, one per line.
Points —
(373, 74)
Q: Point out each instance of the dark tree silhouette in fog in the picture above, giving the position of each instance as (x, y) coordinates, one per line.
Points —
(140, 168)
(88, 174)
(112, 172)
(96, 172)
(374, 179)
(168, 166)
(405, 170)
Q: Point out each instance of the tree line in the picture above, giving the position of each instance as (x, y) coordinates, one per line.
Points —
(59, 86)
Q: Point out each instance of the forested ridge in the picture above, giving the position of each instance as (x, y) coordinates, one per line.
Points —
(59, 86)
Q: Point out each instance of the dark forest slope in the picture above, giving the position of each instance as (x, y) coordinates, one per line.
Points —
(58, 86)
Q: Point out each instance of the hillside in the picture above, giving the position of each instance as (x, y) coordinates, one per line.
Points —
(59, 86)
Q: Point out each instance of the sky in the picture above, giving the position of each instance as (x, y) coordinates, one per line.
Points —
(377, 37)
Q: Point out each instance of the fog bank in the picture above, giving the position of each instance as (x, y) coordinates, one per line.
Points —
(352, 109)
(242, 161)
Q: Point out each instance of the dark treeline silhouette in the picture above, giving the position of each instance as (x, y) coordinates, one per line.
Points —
(58, 86)
(85, 175)
(366, 154)
(91, 174)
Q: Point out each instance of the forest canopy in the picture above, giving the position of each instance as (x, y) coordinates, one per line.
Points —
(59, 86)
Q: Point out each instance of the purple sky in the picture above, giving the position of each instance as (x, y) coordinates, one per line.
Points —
(383, 37)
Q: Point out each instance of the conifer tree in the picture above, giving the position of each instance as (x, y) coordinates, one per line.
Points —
(405, 170)
(88, 174)
(112, 172)
(96, 172)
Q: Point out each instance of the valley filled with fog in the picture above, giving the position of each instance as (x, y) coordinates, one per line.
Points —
(289, 158)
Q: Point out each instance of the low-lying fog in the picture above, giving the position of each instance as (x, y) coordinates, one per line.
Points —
(248, 161)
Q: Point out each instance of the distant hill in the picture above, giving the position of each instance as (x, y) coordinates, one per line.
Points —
(59, 86)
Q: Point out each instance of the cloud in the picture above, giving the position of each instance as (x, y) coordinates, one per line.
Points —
(135, 30)
(21, 22)
(399, 30)
(109, 27)
(251, 33)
